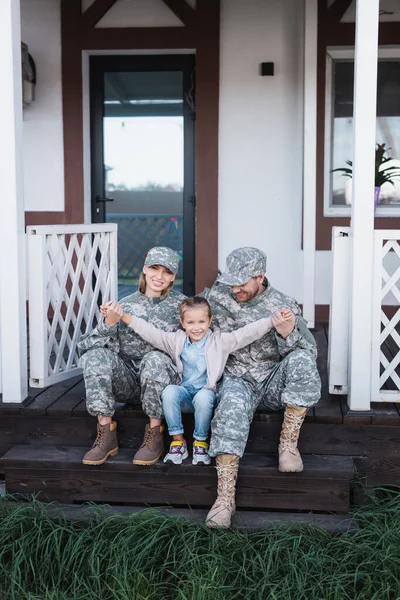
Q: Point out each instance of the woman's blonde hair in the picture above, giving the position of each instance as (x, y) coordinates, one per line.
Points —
(142, 285)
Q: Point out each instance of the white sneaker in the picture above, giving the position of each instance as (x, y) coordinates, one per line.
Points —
(177, 453)
(200, 453)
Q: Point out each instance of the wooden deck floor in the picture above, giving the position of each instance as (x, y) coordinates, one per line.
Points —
(68, 399)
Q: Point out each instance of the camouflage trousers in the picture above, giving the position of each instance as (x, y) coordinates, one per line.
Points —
(294, 382)
(108, 378)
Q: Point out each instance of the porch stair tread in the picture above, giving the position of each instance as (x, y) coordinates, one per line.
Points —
(57, 473)
(65, 457)
(243, 520)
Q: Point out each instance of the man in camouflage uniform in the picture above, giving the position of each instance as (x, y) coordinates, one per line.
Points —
(277, 371)
(118, 364)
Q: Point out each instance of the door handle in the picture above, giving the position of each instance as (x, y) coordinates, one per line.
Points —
(101, 199)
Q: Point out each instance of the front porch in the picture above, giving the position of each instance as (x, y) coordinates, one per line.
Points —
(43, 440)
(72, 268)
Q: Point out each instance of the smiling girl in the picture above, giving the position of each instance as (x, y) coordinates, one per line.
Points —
(200, 356)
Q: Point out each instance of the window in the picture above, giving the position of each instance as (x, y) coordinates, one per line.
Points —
(339, 127)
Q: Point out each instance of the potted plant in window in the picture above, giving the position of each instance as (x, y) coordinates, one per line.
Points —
(383, 172)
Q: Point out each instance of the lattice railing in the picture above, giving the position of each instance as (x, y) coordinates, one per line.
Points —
(138, 233)
(72, 269)
(385, 366)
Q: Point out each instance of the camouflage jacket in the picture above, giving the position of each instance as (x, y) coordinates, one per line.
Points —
(162, 312)
(260, 358)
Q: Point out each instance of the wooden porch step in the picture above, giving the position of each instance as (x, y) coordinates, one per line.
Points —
(244, 521)
(315, 438)
(56, 473)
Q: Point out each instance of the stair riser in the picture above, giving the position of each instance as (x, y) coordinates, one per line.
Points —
(81, 431)
(373, 441)
(277, 492)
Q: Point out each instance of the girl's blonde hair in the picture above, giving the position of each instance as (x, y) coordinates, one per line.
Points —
(142, 285)
(194, 302)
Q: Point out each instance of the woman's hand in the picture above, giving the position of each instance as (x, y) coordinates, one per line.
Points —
(114, 313)
(284, 321)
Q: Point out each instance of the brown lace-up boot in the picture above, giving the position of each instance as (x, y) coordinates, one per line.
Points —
(105, 445)
(152, 447)
(289, 456)
(224, 507)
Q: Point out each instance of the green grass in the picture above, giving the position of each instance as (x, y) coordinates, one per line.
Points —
(151, 556)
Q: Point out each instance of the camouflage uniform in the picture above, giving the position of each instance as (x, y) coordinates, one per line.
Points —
(270, 372)
(118, 364)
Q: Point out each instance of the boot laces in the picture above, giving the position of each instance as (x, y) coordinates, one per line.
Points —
(100, 435)
(226, 484)
(148, 436)
(290, 432)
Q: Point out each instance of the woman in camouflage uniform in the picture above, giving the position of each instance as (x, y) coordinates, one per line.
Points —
(117, 364)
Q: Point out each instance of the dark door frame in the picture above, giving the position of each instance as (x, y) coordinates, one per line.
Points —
(185, 63)
(200, 33)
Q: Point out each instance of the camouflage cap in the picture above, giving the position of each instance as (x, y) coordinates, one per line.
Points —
(242, 264)
(161, 255)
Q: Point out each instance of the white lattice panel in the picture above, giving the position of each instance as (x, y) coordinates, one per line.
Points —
(72, 269)
(385, 380)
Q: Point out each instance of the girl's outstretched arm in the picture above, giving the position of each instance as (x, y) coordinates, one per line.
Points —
(162, 340)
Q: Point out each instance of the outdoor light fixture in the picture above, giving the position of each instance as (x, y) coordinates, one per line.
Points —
(266, 68)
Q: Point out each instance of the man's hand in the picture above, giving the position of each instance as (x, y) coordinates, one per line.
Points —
(283, 320)
(114, 313)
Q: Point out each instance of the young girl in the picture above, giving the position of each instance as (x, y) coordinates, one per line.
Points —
(200, 356)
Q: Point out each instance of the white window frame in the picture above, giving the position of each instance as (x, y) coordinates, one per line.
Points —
(335, 53)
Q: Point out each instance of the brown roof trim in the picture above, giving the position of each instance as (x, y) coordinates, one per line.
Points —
(96, 12)
(183, 11)
(338, 9)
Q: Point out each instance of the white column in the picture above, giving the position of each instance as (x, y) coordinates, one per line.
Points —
(362, 212)
(13, 343)
(309, 157)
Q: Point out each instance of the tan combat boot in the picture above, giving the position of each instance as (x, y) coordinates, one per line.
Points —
(152, 447)
(224, 507)
(289, 456)
(105, 445)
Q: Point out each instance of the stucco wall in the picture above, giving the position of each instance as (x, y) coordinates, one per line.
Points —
(43, 134)
(260, 176)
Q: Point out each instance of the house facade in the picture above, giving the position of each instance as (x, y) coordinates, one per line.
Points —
(261, 115)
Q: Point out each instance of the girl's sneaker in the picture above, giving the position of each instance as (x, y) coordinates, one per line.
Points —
(177, 453)
(200, 453)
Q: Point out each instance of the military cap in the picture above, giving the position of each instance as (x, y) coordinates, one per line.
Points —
(242, 264)
(161, 255)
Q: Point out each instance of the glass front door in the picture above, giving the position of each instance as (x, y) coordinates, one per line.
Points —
(142, 125)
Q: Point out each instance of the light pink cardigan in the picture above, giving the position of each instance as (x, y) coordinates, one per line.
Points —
(217, 349)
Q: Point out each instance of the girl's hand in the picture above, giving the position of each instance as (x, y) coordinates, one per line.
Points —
(104, 307)
(114, 313)
(287, 315)
(284, 321)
